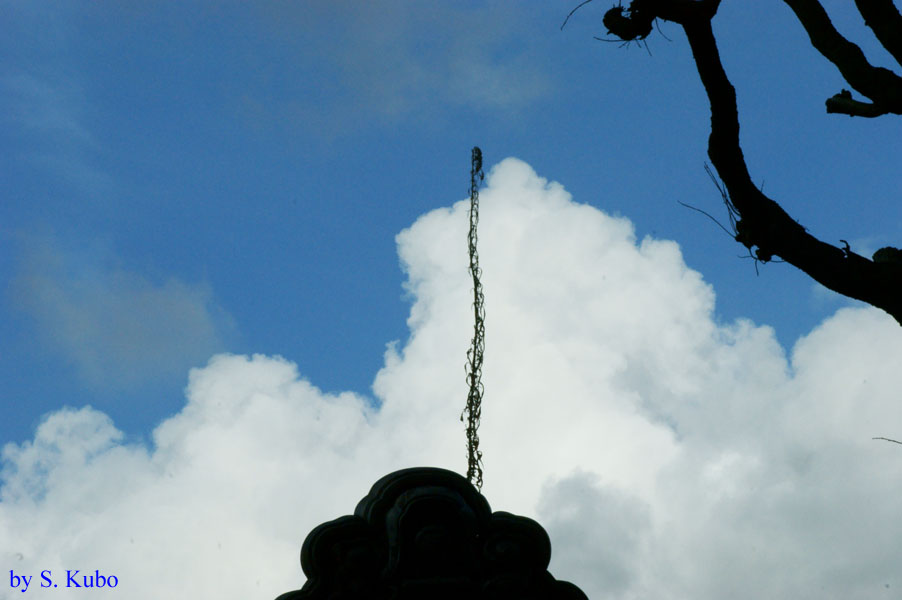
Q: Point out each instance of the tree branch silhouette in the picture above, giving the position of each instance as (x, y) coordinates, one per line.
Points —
(763, 226)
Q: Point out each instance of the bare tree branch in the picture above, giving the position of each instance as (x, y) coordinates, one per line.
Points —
(843, 103)
(881, 85)
(764, 224)
(885, 21)
(760, 222)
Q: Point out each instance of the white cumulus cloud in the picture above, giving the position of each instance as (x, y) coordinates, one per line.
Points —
(667, 454)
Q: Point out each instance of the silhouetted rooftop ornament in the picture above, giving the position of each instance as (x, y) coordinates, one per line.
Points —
(473, 409)
(427, 534)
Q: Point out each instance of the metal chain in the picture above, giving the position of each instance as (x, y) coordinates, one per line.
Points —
(474, 354)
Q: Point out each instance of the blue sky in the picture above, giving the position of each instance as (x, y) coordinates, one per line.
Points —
(184, 181)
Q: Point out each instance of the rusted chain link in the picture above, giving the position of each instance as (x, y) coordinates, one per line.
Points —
(474, 354)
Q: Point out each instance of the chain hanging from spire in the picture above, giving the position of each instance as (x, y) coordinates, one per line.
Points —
(474, 354)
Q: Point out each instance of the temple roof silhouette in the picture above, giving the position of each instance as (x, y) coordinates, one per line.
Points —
(427, 533)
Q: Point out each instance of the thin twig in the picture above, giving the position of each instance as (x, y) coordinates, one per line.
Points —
(719, 224)
(731, 210)
(887, 440)
(573, 11)
(658, 27)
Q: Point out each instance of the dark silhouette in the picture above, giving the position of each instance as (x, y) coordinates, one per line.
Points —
(473, 367)
(759, 223)
(424, 533)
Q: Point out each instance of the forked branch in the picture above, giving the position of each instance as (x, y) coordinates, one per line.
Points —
(880, 85)
(762, 223)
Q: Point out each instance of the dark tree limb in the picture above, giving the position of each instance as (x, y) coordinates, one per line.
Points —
(885, 21)
(881, 86)
(843, 103)
(762, 223)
